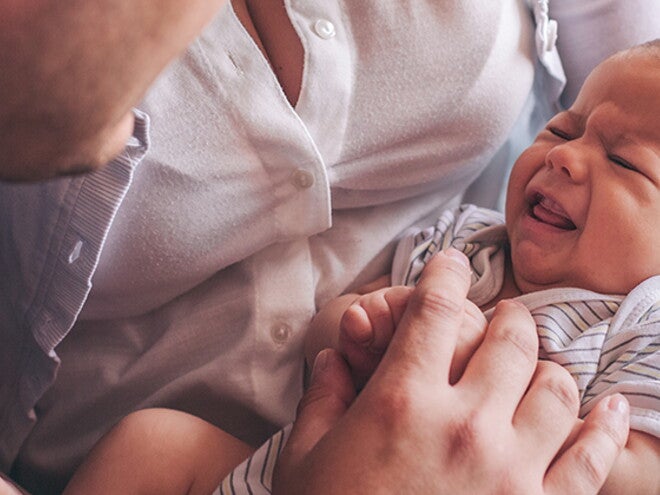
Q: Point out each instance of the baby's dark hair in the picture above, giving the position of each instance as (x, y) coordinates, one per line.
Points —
(649, 48)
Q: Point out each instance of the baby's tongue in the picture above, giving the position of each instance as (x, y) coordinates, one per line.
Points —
(552, 215)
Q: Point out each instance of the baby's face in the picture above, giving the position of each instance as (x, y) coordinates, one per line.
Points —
(583, 203)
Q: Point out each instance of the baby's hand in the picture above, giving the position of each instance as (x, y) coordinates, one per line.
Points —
(367, 326)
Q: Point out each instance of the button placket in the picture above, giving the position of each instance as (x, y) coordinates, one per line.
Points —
(550, 35)
(546, 27)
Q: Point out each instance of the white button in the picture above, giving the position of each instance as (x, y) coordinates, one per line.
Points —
(302, 179)
(280, 333)
(75, 252)
(325, 29)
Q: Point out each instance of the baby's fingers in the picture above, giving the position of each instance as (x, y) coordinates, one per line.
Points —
(367, 326)
(355, 326)
(371, 320)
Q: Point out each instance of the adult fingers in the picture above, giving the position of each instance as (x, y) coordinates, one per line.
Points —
(470, 337)
(327, 398)
(424, 341)
(584, 466)
(548, 412)
(501, 368)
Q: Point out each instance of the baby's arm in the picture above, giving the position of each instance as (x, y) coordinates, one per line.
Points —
(637, 469)
(159, 451)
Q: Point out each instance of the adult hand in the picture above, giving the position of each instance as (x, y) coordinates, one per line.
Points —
(72, 70)
(367, 326)
(7, 487)
(412, 431)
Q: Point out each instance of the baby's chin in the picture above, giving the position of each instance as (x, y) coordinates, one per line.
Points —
(534, 281)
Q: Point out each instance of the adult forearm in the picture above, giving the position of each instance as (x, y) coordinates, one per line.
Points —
(72, 70)
(7, 487)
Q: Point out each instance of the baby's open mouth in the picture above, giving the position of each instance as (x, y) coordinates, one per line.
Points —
(550, 212)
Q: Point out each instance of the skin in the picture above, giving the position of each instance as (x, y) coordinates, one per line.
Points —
(71, 72)
(570, 202)
(368, 324)
(344, 444)
(50, 127)
(582, 208)
(159, 451)
(482, 431)
(597, 166)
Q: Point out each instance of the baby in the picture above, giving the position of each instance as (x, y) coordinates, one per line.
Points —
(579, 249)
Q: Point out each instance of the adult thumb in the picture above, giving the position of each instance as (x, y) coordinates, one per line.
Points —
(329, 395)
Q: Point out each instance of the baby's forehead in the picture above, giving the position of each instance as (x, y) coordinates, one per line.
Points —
(630, 86)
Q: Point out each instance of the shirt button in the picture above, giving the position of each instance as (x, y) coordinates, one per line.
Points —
(302, 179)
(280, 333)
(324, 29)
(75, 252)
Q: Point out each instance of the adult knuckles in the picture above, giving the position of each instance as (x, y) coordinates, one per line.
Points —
(473, 441)
(476, 436)
(560, 384)
(512, 335)
(395, 407)
(436, 303)
(590, 467)
(612, 432)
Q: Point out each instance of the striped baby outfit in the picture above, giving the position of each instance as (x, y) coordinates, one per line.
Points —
(609, 343)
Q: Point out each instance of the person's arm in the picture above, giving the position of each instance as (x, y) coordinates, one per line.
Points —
(158, 451)
(497, 430)
(7, 487)
(72, 70)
